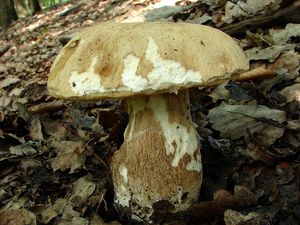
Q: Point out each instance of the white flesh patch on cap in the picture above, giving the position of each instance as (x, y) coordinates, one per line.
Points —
(165, 74)
(185, 139)
(87, 82)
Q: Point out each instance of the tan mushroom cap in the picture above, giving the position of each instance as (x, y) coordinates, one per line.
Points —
(125, 59)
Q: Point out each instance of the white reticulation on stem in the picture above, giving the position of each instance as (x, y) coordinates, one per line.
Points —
(160, 157)
(123, 196)
(179, 139)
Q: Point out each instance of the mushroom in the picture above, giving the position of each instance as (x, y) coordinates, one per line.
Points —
(151, 66)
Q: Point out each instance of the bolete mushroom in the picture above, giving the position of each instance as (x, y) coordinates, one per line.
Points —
(151, 66)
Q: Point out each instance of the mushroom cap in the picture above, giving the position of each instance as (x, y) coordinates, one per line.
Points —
(125, 59)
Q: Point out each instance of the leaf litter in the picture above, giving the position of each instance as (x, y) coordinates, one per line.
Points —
(54, 155)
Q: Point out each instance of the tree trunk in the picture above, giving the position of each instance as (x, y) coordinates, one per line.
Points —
(20, 7)
(7, 13)
(12, 11)
(35, 6)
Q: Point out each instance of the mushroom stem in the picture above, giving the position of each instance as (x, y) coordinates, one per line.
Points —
(160, 157)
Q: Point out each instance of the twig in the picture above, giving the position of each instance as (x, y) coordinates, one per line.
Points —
(3, 49)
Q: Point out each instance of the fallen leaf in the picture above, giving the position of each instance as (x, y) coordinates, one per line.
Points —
(239, 93)
(24, 149)
(292, 93)
(96, 220)
(16, 92)
(220, 92)
(164, 12)
(82, 189)
(17, 217)
(283, 36)
(259, 154)
(242, 9)
(4, 49)
(236, 121)
(72, 217)
(75, 220)
(232, 217)
(288, 61)
(285, 173)
(9, 80)
(54, 128)
(5, 99)
(3, 68)
(268, 135)
(71, 155)
(2, 116)
(200, 20)
(47, 107)
(269, 53)
(63, 208)
(35, 129)
(52, 211)
(223, 200)
(257, 73)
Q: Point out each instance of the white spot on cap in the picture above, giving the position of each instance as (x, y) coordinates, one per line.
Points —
(87, 82)
(165, 74)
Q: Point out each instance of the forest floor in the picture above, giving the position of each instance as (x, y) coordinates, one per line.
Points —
(54, 154)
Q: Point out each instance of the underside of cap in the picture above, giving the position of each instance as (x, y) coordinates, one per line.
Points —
(115, 60)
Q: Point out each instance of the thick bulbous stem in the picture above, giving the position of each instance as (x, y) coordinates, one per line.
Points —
(160, 157)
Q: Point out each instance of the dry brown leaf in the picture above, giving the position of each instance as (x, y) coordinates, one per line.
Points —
(260, 72)
(54, 128)
(232, 217)
(72, 217)
(82, 189)
(220, 92)
(292, 93)
(223, 200)
(52, 211)
(35, 129)
(10, 79)
(283, 36)
(47, 107)
(71, 155)
(63, 208)
(3, 68)
(242, 9)
(287, 61)
(236, 121)
(17, 217)
(2, 116)
(23, 149)
(5, 99)
(269, 53)
(96, 220)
